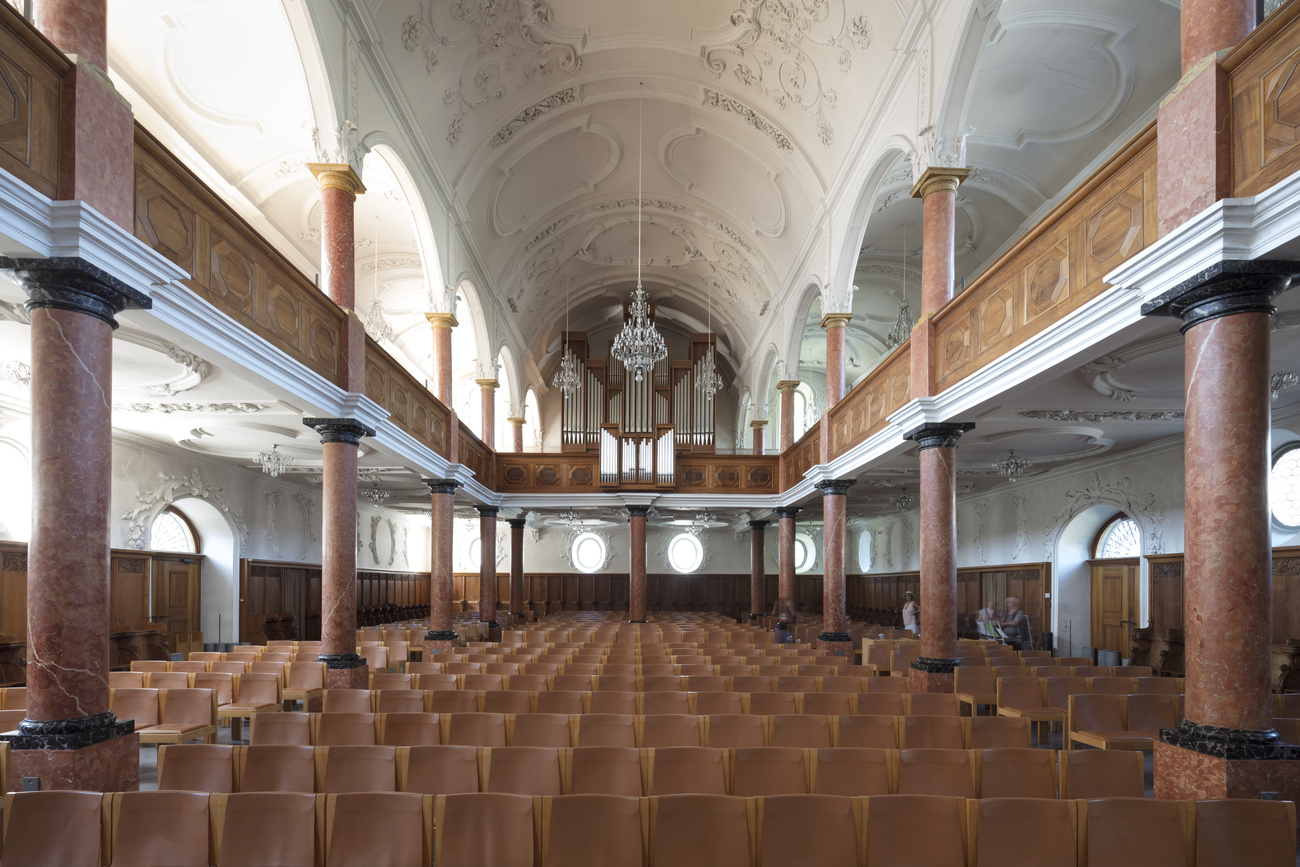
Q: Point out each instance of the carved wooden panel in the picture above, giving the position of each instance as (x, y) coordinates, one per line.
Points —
(478, 457)
(1264, 81)
(800, 457)
(727, 474)
(230, 265)
(866, 409)
(411, 406)
(1055, 269)
(31, 95)
(532, 473)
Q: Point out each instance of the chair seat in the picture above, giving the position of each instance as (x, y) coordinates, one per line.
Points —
(245, 709)
(1034, 714)
(1114, 739)
(175, 733)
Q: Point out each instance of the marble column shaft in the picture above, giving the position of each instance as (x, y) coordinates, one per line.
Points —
(441, 324)
(835, 323)
(756, 572)
(1212, 25)
(488, 398)
(77, 27)
(758, 427)
(787, 388)
(442, 508)
(517, 566)
(487, 569)
(785, 559)
(937, 189)
(834, 530)
(516, 435)
(636, 572)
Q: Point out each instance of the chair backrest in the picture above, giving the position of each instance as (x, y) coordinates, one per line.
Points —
(881, 683)
(140, 705)
(562, 701)
(992, 732)
(191, 666)
(706, 683)
(669, 730)
(604, 701)
(256, 688)
(347, 701)
(809, 829)
(149, 665)
(222, 682)
(506, 701)
(1153, 833)
(187, 707)
(474, 729)
(483, 681)
(875, 732)
(1112, 685)
(398, 700)
(540, 730)
(275, 768)
(55, 828)
(407, 729)
(851, 771)
(829, 703)
(1016, 772)
(1150, 712)
(809, 731)
(1243, 831)
(1169, 686)
(735, 730)
(842, 683)
(772, 703)
(196, 767)
(228, 666)
(1020, 692)
(582, 830)
(673, 702)
(451, 700)
(435, 681)
(975, 679)
(931, 732)
(157, 829)
(1041, 831)
(604, 730)
(769, 771)
(1087, 774)
(520, 770)
(933, 704)
(343, 729)
(485, 830)
(360, 824)
(437, 770)
(308, 675)
(936, 772)
(1059, 690)
(1096, 713)
(155, 679)
(356, 769)
(389, 680)
(710, 703)
(916, 829)
(882, 704)
(685, 770)
(604, 771)
(264, 828)
(526, 682)
(700, 831)
(126, 680)
(281, 728)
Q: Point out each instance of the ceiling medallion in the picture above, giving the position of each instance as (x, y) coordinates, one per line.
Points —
(639, 345)
(1013, 467)
(275, 461)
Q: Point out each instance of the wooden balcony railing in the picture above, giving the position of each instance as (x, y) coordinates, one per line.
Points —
(1262, 80)
(412, 407)
(866, 409)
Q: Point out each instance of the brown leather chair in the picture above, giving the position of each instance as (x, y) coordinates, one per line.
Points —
(1016, 772)
(275, 768)
(604, 730)
(398, 700)
(443, 701)
(933, 704)
(685, 770)
(527, 682)
(808, 731)
(1038, 831)
(936, 772)
(769, 771)
(343, 729)
(753, 683)
(1144, 831)
(1111, 685)
(382, 680)
(276, 829)
(407, 729)
(356, 769)
(1098, 721)
(771, 703)
(713, 703)
(571, 682)
(437, 770)
(1244, 831)
(156, 829)
(506, 701)
(189, 666)
(358, 825)
(668, 730)
(829, 703)
(700, 831)
(604, 771)
(666, 682)
(852, 771)
(520, 770)
(478, 682)
(161, 679)
(55, 828)
(559, 702)
(539, 730)
(992, 732)
(976, 685)
(347, 701)
(882, 704)
(808, 829)
(474, 729)
(616, 682)
(1164, 686)
(229, 666)
(774, 670)
(196, 768)
(435, 681)
(874, 732)
(918, 830)
(138, 705)
(1022, 698)
(898, 685)
(1148, 713)
(484, 830)
(126, 679)
(183, 715)
(735, 730)
(1059, 690)
(585, 830)
(931, 732)
(1087, 774)
(223, 683)
(253, 694)
(610, 702)
(672, 702)
(850, 683)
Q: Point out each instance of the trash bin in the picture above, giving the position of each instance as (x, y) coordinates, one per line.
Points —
(1108, 657)
(1090, 652)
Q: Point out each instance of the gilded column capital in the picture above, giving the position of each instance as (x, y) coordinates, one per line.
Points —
(487, 384)
(938, 179)
(835, 320)
(758, 423)
(787, 384)
(516, 421)
(442, 320)
(338, 176)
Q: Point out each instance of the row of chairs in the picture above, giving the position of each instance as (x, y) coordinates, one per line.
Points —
(806, 683)
(802, 665)
(595, 729)
(1046, 700)
(845, 771)
(979, 686)
(190, 829)
(168, 716)
(1120, 722)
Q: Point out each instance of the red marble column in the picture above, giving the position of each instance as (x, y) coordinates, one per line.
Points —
(834, 639)
(787, 388)
(756, 572)
(835, 323)
(786, 609)
(441, 638)
(517, 568)
(636, 558)
(516, 434)
(937, 188)
(758, 426)
(441, 324)
(78, 27)
(70, 738)
(339, 188)
(937, 452)
(488, 395)
(340, 438)
(487, 570)
(1213, 25)
(1225, 746)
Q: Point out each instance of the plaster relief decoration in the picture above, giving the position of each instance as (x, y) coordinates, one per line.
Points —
(406, 540)
(981, 514)
(392, 541)
(940, 151)
(566, 552)
(509, 42)
(1118, 494)
(170, 489)
(908, 530)
(195, 371)
(1095, 416)
(16, 372)
(713, 99)
(1022, 531)
(1098, 375)
(272, 536)
(889, 545)
(532, 113)
(168, 407)
(770, 47)
(307, 509)
(374, 539)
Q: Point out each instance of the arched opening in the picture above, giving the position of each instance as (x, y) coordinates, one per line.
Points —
(532, 423)
(505, 399)
(219, 618)
(16, 505)
(1098, 599)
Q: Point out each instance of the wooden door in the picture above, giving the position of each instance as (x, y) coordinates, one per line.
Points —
(1114, 603)
(176, 598)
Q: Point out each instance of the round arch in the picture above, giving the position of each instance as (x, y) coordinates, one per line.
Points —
(389, 150)
(218, 543)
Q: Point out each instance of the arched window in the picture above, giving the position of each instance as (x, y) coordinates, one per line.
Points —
(1284, 487)
(1120, 537)
(172, 531)
(16, 504)
(805, 405)
(473, 549)
(864, 551)
(685, 553)
(805, 552)
(588, 552)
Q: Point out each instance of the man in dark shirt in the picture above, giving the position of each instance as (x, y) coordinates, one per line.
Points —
(1016, 626)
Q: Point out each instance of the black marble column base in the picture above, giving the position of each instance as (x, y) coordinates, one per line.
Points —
(834, 636)
(438, 635)
(68, 734)
(935, 665)
(341, 660)
(1225, 743)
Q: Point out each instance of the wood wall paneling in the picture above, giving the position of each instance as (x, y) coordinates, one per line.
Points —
(866, 409)
(413, 408)
(1264, 83)
(31, 104)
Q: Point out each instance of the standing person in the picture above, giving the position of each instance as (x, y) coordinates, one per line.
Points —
(1016, 626)
(911, 613)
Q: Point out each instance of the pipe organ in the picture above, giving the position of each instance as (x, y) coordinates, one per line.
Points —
(638, 428)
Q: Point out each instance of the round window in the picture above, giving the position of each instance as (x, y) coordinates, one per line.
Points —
(805, 552)
(864, 551)
(685, 553)
(588, 552)
(472, 550)
(1284, 488)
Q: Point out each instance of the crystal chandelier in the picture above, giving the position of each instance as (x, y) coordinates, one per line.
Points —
(1013, 467)
(567, 379)
(639, 345)
(902, 499)
(902, 329)
(571, 517)
(376, 325)
(376, 495)
(275, 461)
(702, 522)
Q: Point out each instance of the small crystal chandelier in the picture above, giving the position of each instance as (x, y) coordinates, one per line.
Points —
(376, 325)
(639, 345)
(1013, 467)
(571, 517)
(702, 522)
(709, 382)
(275, 461)
(902, 499)
(376, 495)
(902, 329)
(567, 379)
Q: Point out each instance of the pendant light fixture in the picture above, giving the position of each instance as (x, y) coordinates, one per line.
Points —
(709, 382)
(902, 329)
(639, 345)
(567, 379)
